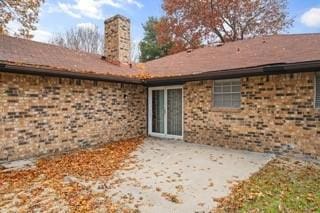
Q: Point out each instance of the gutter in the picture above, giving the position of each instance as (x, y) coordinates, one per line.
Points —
(308, 66)
(66, 74)
(271, 69)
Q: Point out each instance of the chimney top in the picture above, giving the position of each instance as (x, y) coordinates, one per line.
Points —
(111, 19)
(117, 39)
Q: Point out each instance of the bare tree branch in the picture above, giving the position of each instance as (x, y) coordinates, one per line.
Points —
(24, 12)
(80, 38)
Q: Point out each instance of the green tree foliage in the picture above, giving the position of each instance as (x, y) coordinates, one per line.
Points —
(149, 46)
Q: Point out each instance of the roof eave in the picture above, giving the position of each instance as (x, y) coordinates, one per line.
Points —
(66, 74)
(270, 69)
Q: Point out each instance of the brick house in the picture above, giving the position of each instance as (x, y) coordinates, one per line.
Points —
(261, 94)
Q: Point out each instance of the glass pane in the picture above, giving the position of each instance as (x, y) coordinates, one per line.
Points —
(236, 101)
(318, 90)
(235, 88)
(227, 100)
(236, 82)
(158, 111)
(218, 100)
(227, 83)
(226, 88)
(218, 83)
(217, 88)
(230, 95)
(174, 107)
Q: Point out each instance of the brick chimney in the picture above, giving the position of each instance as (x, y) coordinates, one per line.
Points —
(117, 39)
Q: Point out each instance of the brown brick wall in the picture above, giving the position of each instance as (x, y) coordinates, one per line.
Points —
(41, 115)
(277, 115)
(117, 39)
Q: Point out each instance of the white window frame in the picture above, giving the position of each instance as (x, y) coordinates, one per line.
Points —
(316, 75)
(165, 134)
(224, 93)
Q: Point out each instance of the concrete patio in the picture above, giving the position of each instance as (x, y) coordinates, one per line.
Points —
(160, 176)
(173, 176)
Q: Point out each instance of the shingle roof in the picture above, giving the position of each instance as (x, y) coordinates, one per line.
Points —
(260, 51)
(35, 54)
(269, 50)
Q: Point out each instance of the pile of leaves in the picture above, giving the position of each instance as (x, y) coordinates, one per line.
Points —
(47, 179)
(171, 197)
(283, 185)
(142, 74)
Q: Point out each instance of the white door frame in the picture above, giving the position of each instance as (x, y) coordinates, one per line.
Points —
(164, 135)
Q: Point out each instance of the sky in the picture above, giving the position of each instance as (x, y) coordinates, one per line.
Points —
(60, 15)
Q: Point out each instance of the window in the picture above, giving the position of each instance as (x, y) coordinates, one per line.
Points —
(227, 93)
(317, 90)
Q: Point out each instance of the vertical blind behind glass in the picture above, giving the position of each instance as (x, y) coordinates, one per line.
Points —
(318, 90)
(158, 111)
(174, 105)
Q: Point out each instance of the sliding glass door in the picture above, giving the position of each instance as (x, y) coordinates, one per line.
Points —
(174, 109)
(165, 112)
(158, 111)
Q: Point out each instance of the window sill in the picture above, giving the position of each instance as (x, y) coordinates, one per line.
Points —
(225, 109)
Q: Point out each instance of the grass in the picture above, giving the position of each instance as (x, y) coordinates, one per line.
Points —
(283, 185)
